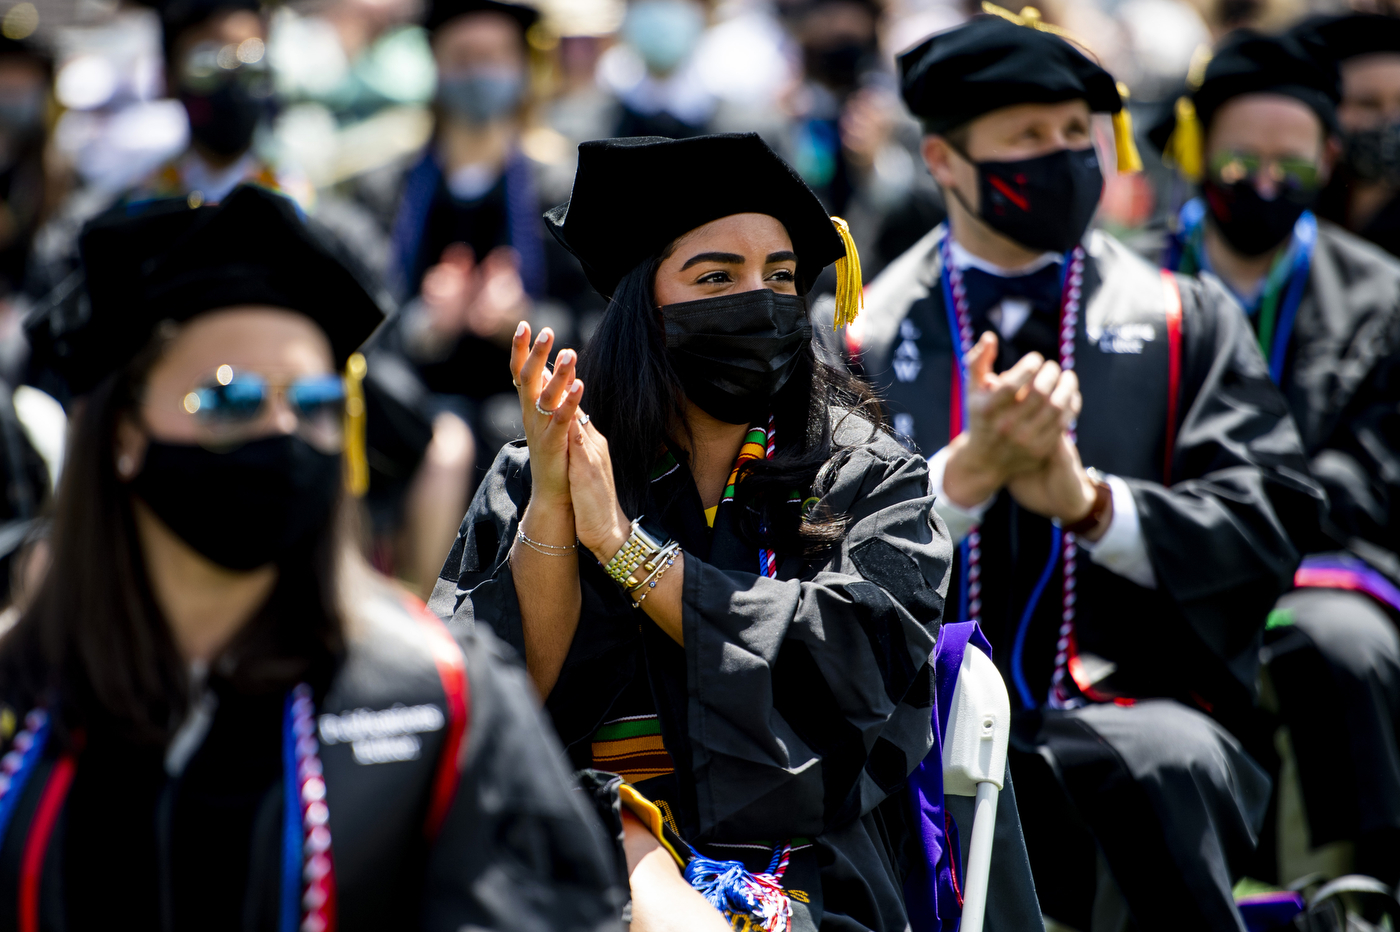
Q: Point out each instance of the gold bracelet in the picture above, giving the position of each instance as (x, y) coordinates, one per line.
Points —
(632, 553)
(661, 571)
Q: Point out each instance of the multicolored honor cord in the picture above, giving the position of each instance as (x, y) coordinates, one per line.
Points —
(1321, 571)
(728, 886)
(16, 767)
(1062, 546)
(308, 870)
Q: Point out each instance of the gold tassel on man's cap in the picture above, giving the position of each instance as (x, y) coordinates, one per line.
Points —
(356, 459)
(1183, 149)
(850, 290)
(1129, 160)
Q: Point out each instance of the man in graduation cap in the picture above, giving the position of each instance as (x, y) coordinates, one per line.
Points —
(1125, 606)
(1324, 306)
(1364, 193)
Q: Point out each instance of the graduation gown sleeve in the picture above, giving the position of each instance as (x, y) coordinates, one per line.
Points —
(1221, 537)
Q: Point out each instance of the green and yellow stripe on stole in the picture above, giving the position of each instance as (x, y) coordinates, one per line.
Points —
(632, 748)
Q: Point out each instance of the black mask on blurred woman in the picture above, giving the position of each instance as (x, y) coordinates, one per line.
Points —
(223, 119)
(247, 507)
(733, 353)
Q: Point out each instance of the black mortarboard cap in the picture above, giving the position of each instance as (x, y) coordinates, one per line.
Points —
(626, 207)
(991, 62)
(442, 11)
(1354, 34)
(164, 260)
(1248, 62)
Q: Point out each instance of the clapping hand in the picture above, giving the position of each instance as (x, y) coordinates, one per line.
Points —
(462, 295)
(1015, 421)
(569, 462)
(548, 405)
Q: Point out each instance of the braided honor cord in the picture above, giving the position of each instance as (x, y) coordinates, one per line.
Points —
(308, 872)
(727, 885)
(960, 323)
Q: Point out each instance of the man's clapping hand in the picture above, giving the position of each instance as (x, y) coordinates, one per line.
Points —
(1015, 420)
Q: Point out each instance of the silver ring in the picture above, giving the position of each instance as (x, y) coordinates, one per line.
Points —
(584, 419)
(516, 384)
(542, 410)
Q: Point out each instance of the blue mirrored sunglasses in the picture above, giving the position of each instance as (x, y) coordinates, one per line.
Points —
(242, 397)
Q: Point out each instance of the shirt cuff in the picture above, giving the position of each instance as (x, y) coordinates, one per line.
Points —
(959, 520)
(1122, 549)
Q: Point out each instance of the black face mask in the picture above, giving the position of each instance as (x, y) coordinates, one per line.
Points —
(245, 508)
(734, 353)
(1042, 203)
(1374, 154)
(1250, 224)
(224, 120)
(837, 66)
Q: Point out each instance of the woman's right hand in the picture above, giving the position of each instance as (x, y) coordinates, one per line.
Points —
(557, 392)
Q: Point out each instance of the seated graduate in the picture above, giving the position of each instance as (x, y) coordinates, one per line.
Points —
(743, 630)
(215, 715)
(1324, 306)
(1363, 194)
(1125, 608)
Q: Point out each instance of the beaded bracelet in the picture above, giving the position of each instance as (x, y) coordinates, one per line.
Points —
(547, 550)
(650, 567)
(650, 583)
(632, 554)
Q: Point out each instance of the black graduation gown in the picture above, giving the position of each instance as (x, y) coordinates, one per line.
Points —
(1383, 228)
(1218, 540)
(797, 706)
(1341, 379)
(519, 848)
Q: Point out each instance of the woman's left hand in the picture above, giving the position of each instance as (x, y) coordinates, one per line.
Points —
(601, 524)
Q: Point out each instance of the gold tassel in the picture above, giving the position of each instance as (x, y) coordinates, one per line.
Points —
(850, 290)
(356, 461)
(1129, 160)
(1184, 147)
(1030, 16)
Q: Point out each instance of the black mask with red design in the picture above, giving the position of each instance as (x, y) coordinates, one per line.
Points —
(1042, 203)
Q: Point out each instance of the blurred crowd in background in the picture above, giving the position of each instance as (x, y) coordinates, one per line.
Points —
(431, 141)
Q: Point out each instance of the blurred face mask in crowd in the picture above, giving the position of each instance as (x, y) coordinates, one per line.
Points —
(1374, 154)
(481, 95)
(227, 92)
(1253, 222)
(663, 32)
(837, 66)
(21, 112)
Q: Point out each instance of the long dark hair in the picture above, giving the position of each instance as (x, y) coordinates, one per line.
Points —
(94, 646)
(636, 400)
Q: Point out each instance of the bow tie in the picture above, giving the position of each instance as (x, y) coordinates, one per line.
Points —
(1041, 289)
(985, 290)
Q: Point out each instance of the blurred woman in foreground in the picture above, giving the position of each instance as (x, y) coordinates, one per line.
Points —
(216, 716)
